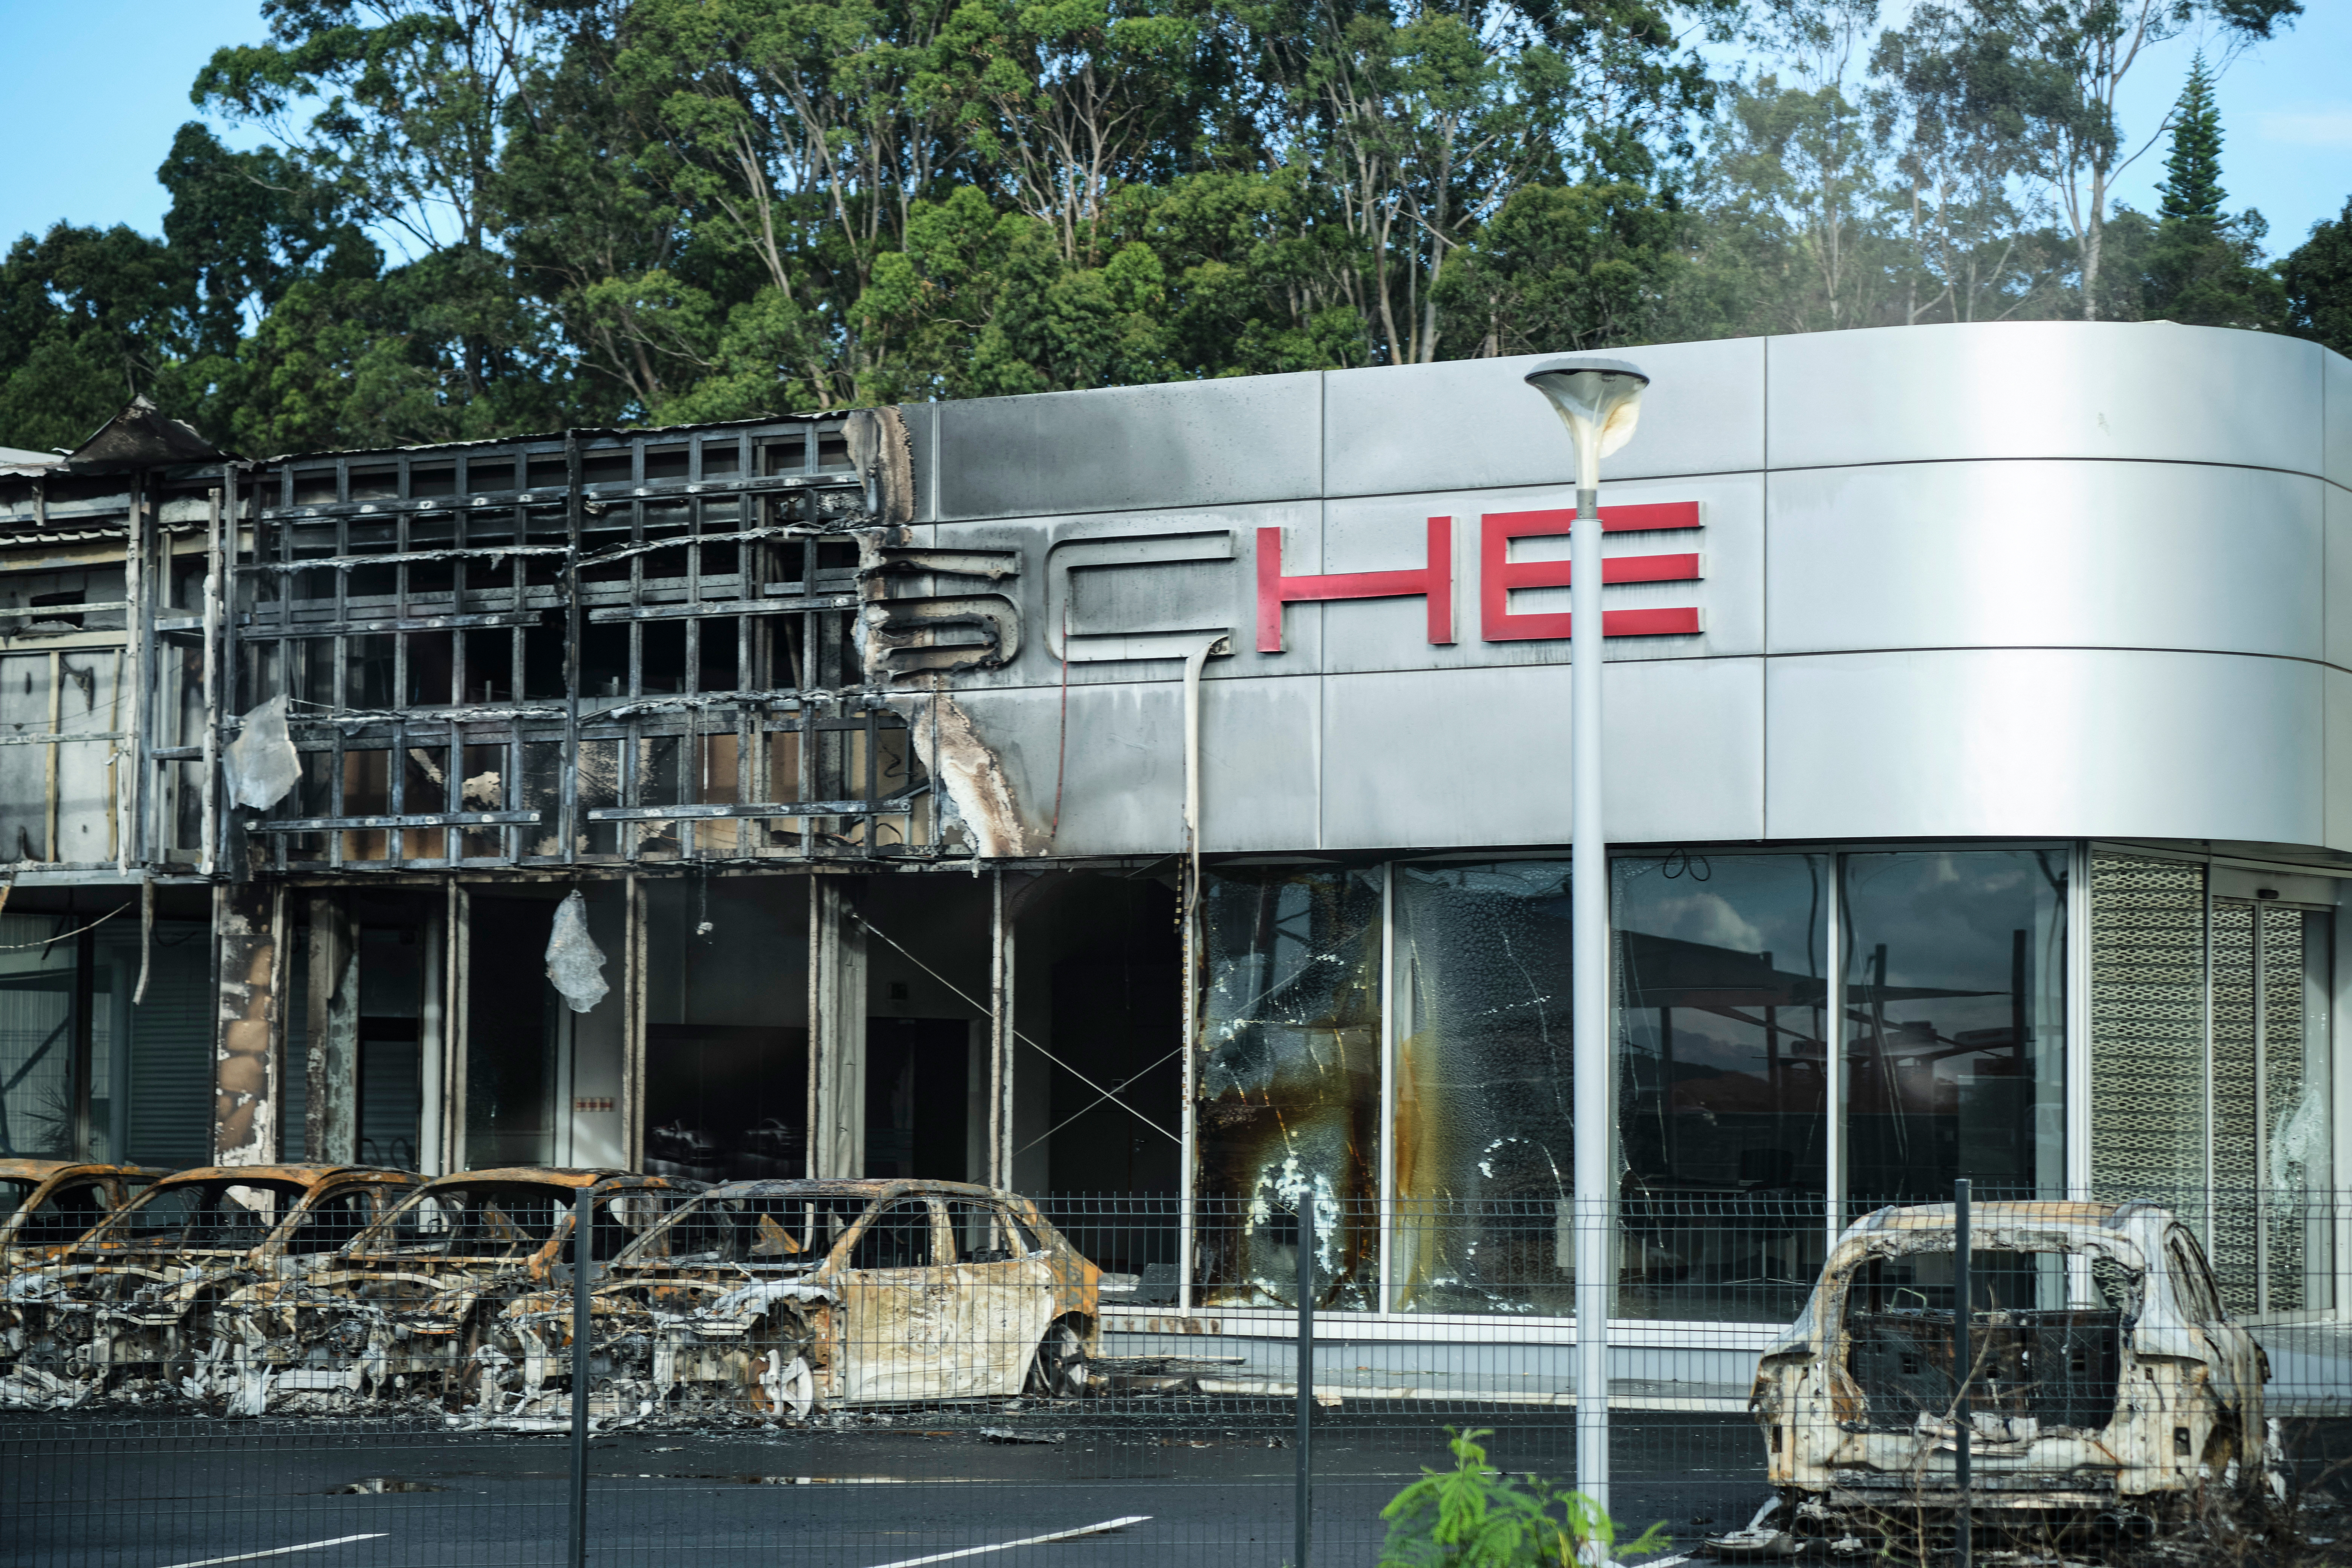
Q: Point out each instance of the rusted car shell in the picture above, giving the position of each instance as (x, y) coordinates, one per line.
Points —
(382, 1318)
(118, 1306)
(2186, 1412)
(22, 1243)
(811, 1330)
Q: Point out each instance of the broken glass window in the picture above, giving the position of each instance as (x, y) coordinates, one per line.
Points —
(1289, 1082)
(1484, 1132)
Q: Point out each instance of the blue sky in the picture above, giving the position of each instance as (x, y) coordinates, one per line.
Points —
(101, 85)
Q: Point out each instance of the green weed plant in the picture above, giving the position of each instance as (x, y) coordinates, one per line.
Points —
(1474, 1516)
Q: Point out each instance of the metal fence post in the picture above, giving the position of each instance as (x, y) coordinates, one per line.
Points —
(583, 1217)
(1306, 1501)
(1963, 1361)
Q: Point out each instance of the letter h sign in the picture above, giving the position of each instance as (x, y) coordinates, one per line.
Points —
(1498, 575)
(1435, 580)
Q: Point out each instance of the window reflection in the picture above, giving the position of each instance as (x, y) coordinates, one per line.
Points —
(1720, 995)
(1955, 1023)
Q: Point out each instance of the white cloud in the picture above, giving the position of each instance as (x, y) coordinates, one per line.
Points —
(2329, 127)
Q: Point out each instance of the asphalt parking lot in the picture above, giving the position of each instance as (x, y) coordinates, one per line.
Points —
(1203, 1488)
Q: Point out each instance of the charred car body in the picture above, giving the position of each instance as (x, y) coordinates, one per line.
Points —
(776, 1298)
(411, 1306)
(2106, 1380)
(47, 1205)
(141, 1303)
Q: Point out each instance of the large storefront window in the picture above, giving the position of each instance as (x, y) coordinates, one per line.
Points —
(1793, 1034)
(1955, 1024)
(1722, 1066)
(1484, 1130)
(1288, 1079)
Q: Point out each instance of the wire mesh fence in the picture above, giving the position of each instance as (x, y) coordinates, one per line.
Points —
(888, 1372)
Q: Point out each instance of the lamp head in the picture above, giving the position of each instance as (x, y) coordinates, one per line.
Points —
(1599, 400)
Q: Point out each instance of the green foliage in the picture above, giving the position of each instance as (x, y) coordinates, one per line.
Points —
(1579, 267)
(1473, 1516)
(484, 217)
(2191, 192)
(2200, 266)
(2317, 278)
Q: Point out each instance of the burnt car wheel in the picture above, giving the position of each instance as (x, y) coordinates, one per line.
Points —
(788, 1385)
(1059, 1368)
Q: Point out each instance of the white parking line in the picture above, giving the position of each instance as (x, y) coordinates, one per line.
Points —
(974, 1551)
(279, 1551)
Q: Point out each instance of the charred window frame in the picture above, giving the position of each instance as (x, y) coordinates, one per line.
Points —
(87, 566)
(624, 648)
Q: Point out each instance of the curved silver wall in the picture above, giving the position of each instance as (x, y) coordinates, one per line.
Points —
(2019, 580)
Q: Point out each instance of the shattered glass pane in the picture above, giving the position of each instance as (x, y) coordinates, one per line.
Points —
(1289, 1083)
(1484, 1129)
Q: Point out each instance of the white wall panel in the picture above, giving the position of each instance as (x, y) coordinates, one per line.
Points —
(2056, 743)
(1437, 759)
(1467, 423)
(2047, 553)
(2044, 389)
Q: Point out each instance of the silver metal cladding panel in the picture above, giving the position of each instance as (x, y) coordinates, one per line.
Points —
(2044, 741)
(1387, 532)
(2335, 393)
(2336, 686)
(1470, 424)
(2044, 389)
(1986, 598)
(1183, 444)
(2014, 554)
(2336, 504)
(1469, 757)
(1122, 787)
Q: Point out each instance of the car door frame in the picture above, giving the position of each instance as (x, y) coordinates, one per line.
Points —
(896, 1331)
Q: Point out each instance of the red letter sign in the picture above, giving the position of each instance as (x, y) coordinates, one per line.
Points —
(1435, 580)
(1498, 575)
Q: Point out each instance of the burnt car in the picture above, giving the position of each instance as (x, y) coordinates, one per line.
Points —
(778, 1297)
(2107, 1384)
(135, 1307)
(47, 1205)
(408, 1309)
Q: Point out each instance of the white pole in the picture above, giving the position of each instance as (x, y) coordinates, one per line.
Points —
(1590, 938)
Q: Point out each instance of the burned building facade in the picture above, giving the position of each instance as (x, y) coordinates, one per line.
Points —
(1161, 794)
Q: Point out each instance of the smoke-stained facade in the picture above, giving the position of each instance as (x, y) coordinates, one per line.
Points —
(1979, 771)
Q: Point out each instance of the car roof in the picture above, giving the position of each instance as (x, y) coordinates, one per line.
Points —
(575, 1176)
(42, 1169)
(869, 1188)
(1944, 1216)
(307, 1175)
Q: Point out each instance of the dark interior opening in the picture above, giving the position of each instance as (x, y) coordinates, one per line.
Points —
(726, 1103)
(917, 1098)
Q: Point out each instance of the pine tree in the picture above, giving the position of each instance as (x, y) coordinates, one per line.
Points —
(2202, 267)
(2193, 176)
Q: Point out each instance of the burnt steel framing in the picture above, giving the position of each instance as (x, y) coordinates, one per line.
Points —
(615, 647)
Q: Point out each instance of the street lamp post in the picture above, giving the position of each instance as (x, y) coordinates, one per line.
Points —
(1598, 400)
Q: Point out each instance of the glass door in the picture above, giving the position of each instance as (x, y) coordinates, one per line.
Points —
(2271, 1128)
